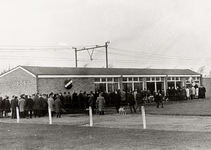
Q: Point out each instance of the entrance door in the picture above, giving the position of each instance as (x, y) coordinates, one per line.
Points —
(160, 86)
(151, 87)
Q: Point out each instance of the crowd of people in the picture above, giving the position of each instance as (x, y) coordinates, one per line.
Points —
(37, 104)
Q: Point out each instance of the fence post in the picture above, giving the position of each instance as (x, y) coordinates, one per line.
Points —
(17, 114)
(143, 117)
(90, 116)
(50, 117)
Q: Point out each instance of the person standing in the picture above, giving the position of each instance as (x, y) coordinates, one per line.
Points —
(7, 106)
(29, 107)
(51, 103)
(193, 96)
(197, 91)
(139, 100)
(21, 104)
(37, 106)
(184, 95)
(131, 102)
(14, 104)
(80, 99)
(91, 101)
(187, 93)
(58, 106)
(157, 99)
(117, 100)
(100, 102)
(1, 107)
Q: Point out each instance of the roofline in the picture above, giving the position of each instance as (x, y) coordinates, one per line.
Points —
(16, 68)
(76, 76)
(101, 76)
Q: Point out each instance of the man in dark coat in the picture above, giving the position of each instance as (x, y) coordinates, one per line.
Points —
(7, 106)
(14, 104)
(1, 107)
(131, 102)
(118, 100)
(80, 100)
(157, 99)
(139, 100)
(44, 106)
(75, 100)
(68, 101)
(29, 107)
(37, 105)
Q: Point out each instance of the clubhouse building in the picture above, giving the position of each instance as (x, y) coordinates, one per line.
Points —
(32, 79)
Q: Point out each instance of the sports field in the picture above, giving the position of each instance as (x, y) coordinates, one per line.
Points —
(179, 125)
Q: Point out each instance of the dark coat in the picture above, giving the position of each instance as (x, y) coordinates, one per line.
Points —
(30, 104)
(1, 105)
(131, 99)
(139, 98)
(118, 99)
(14, 103)
(58, 105)
(157, 98)
(37, 103)
(7, 105)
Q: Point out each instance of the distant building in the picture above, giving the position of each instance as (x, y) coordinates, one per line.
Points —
(43, 80)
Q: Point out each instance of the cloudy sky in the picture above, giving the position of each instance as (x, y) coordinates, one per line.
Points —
(142, 33)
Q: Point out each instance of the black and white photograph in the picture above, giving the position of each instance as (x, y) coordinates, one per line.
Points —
(105, 74)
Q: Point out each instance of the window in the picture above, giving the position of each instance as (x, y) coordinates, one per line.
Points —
(124, 79)
(169, 78)
(103, 79)
(100, 87)
(157, 78)
(130, 79)
(96, 79)
(135, 79)
(109, 80)
(141, 79)
(138, 86)
(115, 79)
(148, 79)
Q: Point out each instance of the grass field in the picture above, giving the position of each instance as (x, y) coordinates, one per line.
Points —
(108, 136)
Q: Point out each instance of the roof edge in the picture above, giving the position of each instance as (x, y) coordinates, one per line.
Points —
(16, 68)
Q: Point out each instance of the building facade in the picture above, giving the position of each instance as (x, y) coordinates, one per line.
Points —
(30, 79)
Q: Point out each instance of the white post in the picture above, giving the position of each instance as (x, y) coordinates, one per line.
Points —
(143, 117)
(90, 116)
(50, 117)
(17, 114)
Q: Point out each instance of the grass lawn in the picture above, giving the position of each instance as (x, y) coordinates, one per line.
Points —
(196, 107)
(43, 136)
(34, 136)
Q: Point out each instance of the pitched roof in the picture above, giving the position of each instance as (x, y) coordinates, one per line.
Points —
(105, 71)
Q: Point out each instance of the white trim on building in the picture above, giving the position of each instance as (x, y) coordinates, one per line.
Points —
(19, 67)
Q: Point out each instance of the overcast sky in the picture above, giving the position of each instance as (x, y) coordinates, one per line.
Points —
(142, 33)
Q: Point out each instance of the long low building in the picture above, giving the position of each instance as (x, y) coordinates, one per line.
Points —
(32, 79)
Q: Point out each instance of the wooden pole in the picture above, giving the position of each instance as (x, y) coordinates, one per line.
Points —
(50, 117)
(90, 116)
(143, 117)
(17, 114)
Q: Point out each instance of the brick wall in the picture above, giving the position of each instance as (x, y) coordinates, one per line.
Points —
(56, 85)
(206, 81)
(16, 83)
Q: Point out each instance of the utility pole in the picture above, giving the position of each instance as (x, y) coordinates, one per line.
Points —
(76, 59)
(88, 48)
(106, 48)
